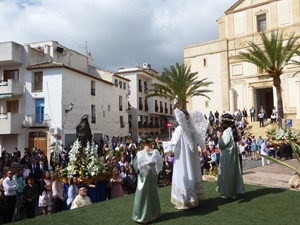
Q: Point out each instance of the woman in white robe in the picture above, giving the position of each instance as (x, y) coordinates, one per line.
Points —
(187, 186)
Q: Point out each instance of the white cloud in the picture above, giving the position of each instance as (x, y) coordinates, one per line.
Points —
(118, 33)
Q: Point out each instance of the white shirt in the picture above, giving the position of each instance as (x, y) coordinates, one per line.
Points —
(26, 173)
(264, 149)
(241, 149)
(10, 186)
(58, 190)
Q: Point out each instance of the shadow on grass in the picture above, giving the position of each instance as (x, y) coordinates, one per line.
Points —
(211, 205)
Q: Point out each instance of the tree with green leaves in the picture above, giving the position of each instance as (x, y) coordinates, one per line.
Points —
(179, 84)
(296, 63)
(271, 56)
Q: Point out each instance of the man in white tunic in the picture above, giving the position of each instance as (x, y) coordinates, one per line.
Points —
(187, 186)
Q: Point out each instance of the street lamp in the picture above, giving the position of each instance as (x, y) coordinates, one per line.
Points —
(69, 107)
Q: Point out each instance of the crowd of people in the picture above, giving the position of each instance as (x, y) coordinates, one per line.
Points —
(21, 190)
(242, 117)
(33, 184)
(33, 181)
(249, 146)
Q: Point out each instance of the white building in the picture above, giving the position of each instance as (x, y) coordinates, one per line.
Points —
(151, 115)
(239, 85)
(46, 88)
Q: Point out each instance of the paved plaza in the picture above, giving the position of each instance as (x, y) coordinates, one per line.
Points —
(272, 175)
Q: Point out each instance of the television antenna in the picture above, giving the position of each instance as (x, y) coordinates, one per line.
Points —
(85, 48)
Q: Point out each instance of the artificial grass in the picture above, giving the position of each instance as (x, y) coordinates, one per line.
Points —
(259, 205)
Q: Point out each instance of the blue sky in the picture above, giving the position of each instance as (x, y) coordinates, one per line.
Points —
(118, 33)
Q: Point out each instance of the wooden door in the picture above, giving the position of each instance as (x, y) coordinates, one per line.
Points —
(38, 140)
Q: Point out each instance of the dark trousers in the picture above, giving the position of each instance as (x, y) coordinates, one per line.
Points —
(261, 122)
(108, 192)
(30, 208)
(58, 205)
(9, 208)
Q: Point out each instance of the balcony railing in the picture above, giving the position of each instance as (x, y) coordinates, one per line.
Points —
(32, 121)
(36, 87)
(10, 123)
(10, 88)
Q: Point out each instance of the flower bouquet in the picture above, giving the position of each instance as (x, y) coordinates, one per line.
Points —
(288, 136)
(85, 164)
(280, 136)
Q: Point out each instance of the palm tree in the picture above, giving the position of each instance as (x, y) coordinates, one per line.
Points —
(272, 56)
(179, 84)
(296, 63)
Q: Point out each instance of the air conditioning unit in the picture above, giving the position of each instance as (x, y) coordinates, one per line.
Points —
(54, 130)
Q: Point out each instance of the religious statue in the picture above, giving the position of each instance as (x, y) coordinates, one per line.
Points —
(83, 131)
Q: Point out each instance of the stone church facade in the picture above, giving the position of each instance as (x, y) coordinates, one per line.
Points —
(237, 84)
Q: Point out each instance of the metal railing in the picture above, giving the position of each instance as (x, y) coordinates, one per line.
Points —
(34, 121)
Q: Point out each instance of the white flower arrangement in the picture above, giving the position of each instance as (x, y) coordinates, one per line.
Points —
(283, 135)
(84, 162)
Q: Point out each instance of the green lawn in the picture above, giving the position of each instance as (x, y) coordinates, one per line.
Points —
(260, 205)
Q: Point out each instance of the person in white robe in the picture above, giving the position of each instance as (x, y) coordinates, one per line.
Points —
(187, 186)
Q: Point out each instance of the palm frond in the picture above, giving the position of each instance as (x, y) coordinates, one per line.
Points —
(178, 83)
(296, 151)
(295, 62)
(282, 163)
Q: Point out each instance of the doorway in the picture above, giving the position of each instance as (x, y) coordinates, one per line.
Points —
(38, 140)
(265, 100)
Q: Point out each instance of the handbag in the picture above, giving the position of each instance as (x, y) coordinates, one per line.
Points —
(44, 199)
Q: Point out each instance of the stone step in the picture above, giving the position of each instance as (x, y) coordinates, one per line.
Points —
(255, 130)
